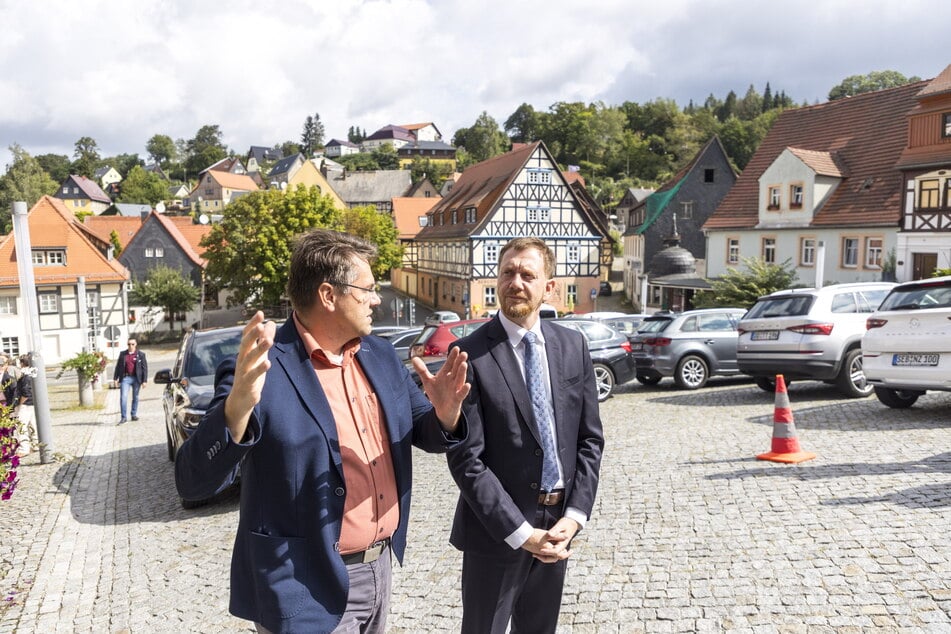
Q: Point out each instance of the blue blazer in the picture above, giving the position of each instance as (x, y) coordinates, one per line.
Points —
(286, 571)
(498, 466)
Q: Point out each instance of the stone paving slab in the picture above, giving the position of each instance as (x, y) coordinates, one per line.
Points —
(691, 533)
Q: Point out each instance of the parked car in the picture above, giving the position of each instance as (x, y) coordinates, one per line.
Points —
(402, 341)
(189, 384)
(812, 334)
(386, 331)
(610, 353)
(604, 289)
(441, 317)
(626, 324)
(690, 347)
(906, 348)
(434, 340)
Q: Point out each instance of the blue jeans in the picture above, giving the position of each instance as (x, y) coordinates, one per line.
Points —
(127, 383)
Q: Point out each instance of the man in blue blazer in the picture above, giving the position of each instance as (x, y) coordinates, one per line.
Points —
(320, 418)
(528, 470)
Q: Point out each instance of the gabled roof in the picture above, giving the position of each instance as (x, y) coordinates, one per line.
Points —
(933, 151)
(407, 212)
(822, 163)
(260, 153)
(241, 182)
(285, 165)
(89, 188)
(426, 145)
(230, 164)
(132, 209)
(939, 85)
(336, 142)
(867, 132)
(103, 226)
(102, 171)
(392, 132)
(176, 234)
(371, 186)
(191, 231)
(52, 225)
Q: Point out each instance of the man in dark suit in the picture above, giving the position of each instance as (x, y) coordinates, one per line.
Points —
(528, 470)
(321, 419)
(131, 373)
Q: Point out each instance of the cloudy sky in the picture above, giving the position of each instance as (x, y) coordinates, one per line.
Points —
(122, 71)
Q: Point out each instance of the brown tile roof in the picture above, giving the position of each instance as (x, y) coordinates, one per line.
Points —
(822, 163)
(52, 225)
(406, 214)
(938, 85)
(480, 186)
(103, 226)
(867, 132)
(91, 188)
(192, 232)
(241, 182)
(174, 230)
(415, 126)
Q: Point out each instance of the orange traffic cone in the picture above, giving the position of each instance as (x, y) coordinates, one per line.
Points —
(785, 444)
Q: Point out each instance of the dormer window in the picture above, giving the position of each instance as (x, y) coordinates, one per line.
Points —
(49, 257)
(946, 125)
(470, 215)
(795, 196)
(775, 196)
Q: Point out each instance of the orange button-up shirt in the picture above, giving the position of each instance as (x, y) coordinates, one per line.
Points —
(371, 510)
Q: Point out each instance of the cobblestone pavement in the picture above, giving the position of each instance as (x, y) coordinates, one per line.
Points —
(691, 533)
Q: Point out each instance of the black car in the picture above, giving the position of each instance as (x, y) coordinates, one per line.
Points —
(604, 289)
(189, 385)
(610, 353)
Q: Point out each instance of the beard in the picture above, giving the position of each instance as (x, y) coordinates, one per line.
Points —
(517, 308)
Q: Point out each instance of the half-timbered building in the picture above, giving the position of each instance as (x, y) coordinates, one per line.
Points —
(520, 193)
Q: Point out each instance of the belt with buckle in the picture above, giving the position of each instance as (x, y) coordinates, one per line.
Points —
(367, 556)
(551, 498)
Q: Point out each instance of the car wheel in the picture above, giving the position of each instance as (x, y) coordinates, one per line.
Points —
(193, 504)
(648, 380)
(692, 372)
(169, 445)
(605, 381)
(766, 383)
(851, 380)
(897, 399)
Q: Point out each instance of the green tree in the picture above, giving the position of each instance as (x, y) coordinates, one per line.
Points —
(56, 165)
(767, 98)
(876, 80)
(122, 163)
(162, 150)
(750, 106)
(741, 289)
(386, 157)
(24, 180)
(141, 186)
(205, 149)
(289, 148)
(86, 156)
(379, 229)
(312, 137)
(355, 135)
(249, 249)
(483, 140)
(359, 162)
(166, 288)
(115, 242)
(436, 171)
(523, 124)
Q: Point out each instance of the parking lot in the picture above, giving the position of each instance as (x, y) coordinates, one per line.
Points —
(690, 533)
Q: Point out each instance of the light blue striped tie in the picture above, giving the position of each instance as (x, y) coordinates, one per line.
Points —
(541, 407)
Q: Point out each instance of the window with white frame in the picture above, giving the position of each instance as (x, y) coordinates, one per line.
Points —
(8, 305)
(39, 257)
(539, 177)
(538, 214)
(571, 293)
(686, 209)
(733, 250)
(149, 252)
(574, 254)
(10, 345)
(488, 296)
(769, 250)
(807, 251)
(795, 195)
(49, 303)
(491, 253)
(929, 194)
(946, 124)
(470, 215)
(850, 252)
(56, 257)
(775, 195)
(873, 253)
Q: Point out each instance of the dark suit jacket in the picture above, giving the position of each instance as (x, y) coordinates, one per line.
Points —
(499, 465)
(286, 571)
(141, 366)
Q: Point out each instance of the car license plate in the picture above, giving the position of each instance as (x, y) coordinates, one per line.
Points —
(764, 335)
(915, 359)
(637, 345)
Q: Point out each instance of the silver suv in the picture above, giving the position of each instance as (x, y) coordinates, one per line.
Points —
(907, 347)
(808, 333)
(690, 346)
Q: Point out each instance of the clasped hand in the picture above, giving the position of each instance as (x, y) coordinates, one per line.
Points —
(552, 545)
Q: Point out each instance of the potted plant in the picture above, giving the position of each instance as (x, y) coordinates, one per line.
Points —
(888, 266)
(87, 365)
(9, 460)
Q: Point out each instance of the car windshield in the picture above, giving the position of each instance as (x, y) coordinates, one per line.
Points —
(919, 296)
(785, 306)
(654, 324)
(207, 351)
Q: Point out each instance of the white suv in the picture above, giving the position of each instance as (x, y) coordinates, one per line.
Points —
(907, 347)
(808, 333)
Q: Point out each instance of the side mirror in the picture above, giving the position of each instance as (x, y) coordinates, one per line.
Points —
(162, 377)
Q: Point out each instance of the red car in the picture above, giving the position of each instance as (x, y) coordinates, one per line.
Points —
(434, 341)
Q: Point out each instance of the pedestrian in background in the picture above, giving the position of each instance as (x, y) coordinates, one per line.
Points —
(24, 409)
(8, 381)
(321, 419)
(131, 373)
(528, 470)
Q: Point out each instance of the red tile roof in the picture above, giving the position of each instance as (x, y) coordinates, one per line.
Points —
(938, 85)
(822, 163)
(406, 214)
(867, 133)
(103, 226)
(53, 226)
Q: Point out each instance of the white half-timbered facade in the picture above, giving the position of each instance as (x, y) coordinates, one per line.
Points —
(518, 194)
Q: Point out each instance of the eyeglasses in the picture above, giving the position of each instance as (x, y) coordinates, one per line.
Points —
(131, 345)
(369, 290)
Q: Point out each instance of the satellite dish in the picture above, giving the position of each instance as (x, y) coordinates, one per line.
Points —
(160, 207)
(203, 219)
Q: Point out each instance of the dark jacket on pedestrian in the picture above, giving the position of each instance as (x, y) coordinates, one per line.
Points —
(141, 367)
(25, 388)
